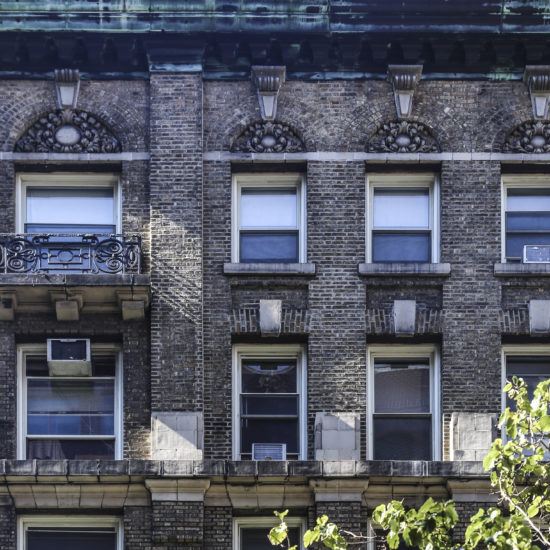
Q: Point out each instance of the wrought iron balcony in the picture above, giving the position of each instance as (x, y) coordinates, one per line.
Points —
(70, 253)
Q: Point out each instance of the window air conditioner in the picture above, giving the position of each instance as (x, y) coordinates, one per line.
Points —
(536, 254)
(69, 357)
(268, 451)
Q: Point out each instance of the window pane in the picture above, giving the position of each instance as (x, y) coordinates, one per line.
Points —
(70, 539)
(402, 387)
(77, 449)
(269, 431)
(271, 247)
(534, 221)
(401, 247)
(68, 228)
(268, 208)
(66, 205)
(401, 208)
(525, 201)
(270, 404)
(269, 376)
(515, 242)
(70, 407)
(403, 438)
(532, 369)
(256, 538)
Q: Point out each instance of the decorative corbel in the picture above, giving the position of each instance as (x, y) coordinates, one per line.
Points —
(268, 81)
(67, 86)
(537, 79)
(404, 79)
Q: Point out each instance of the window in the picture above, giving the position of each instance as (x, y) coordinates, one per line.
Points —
(251, 533)
(402, 218)
(403, 403)
(55, 532)
(69, 417)
(532, 363)
(68, 203)
(526, 207)
(269, 399)
(268, 219)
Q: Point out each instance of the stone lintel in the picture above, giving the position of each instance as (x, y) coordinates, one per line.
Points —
(270, 317)
(177, 490)
(339, 490)
(478, 490)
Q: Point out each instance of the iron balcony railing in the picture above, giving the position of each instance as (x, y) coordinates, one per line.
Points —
(69, 253)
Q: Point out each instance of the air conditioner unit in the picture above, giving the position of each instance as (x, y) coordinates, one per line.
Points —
(268, 451)
(536, 254)
(69, 357)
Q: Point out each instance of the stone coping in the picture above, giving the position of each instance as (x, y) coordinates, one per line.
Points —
(522, 270)
(305, 270)
(135, 470)
(404, 269)
(74, 279)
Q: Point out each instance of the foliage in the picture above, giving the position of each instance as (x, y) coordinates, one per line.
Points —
(519, 476)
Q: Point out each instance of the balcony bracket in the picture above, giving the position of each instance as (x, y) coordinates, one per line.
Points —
(67, 306)
(8, 305)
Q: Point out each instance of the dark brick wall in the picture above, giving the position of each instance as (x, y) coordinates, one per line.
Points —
(347, 515)
(8, 526)
(137, 525)
(218, 527)
(180, 523)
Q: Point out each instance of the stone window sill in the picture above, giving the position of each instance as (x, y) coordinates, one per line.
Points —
(522, 270)
(295, 270)
(404, 269)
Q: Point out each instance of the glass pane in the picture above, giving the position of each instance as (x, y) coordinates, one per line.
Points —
(70, 407)
(66, 205)
(55, 538)
(534, 221)
(516, 242)
(401, 247)
(268, 376)
(402, 438)
(269, 247)
(69, 228)
(528, 201)
(268, 208)
(402, 387)
(77, 449)
(269, 431)
(401, 208)
(256, 538)
(269, 404)
(532, 369)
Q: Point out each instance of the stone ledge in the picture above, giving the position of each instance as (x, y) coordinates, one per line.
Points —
(522, 270)
(404, 269)
(74, 279)
(305, 270)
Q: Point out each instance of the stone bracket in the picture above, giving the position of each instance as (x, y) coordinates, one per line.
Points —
(67, 86)
(132, 304)
(271, 314)
(268, 81)
(537, 79)
(67, 305)
(8, 305)
(339, 490)
(404, 317)
(539, 316)
(404, 79)
(177, 490)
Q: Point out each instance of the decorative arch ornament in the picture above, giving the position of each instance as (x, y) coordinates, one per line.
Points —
(268, 137)
(403, 136)
(532, 136)
(68, 131)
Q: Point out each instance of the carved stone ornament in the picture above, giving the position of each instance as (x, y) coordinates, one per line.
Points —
(68, 131)
(403, 137)
(268, 137)
(529, 137)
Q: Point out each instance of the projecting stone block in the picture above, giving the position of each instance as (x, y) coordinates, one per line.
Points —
(404, 317)
(67, 310)
(270, 317)
(177, 435)
(472, 435)
(337, 436)
(539, 316)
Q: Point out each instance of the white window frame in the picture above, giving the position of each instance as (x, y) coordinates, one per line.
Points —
(399, 351)
(517, 181)
(429, 181)
(28, 349)
(24, 522)
(64, 179)
(268, 522)
(269, 181)
(269, 351)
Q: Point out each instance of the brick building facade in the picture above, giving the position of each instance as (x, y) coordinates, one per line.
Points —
(368, 326)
